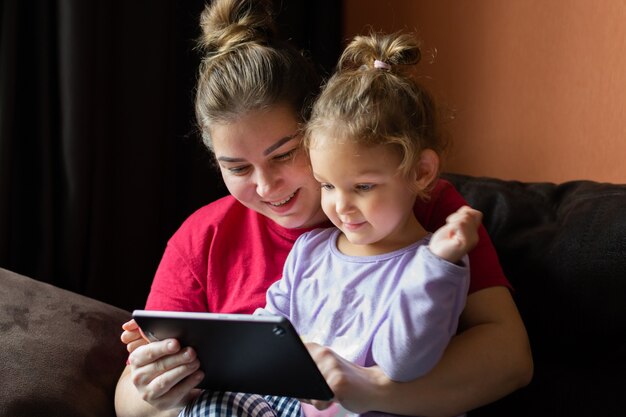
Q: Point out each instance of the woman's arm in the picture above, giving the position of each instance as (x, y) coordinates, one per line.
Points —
(487, 360)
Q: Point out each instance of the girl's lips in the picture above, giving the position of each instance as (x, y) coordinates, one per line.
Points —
(353, 226)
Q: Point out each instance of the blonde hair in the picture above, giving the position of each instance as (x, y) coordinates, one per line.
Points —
(373, 99)
(246, 65)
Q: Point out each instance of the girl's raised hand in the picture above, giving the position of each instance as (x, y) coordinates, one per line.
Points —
(458, 236)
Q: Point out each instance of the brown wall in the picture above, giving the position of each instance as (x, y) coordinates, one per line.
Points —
(539, 87)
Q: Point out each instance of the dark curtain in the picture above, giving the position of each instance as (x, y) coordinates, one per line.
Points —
(100, 161)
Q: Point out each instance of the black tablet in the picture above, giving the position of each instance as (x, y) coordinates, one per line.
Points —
(242, 352)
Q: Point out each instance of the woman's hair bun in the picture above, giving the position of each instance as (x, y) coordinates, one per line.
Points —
(393, 49)
(226, 24)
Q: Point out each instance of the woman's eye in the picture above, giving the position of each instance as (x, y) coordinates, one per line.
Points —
(238, 170)
(364, 187)
(285, 156)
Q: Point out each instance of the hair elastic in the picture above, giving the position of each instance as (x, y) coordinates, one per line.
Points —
(381, 65)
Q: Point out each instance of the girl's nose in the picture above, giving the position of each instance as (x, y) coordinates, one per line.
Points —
(342, 203)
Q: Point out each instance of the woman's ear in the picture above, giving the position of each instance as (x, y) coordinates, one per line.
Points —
(427, 169)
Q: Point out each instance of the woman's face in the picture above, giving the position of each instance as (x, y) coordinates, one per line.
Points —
(264, 167)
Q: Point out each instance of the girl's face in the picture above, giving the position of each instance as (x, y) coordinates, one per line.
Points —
(265, 169)
(364, 195)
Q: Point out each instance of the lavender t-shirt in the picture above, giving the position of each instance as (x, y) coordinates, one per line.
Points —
(398, 310)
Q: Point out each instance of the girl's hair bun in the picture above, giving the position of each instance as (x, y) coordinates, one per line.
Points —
(230, 23)
(363, 51)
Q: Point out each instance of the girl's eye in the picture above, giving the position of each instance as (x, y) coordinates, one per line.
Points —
(326, 186)
(364, 187)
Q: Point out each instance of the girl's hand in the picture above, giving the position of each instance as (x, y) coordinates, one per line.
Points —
(458, 236)
(164, 375)
(353, 385)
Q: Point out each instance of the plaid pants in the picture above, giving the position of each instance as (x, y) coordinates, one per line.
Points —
(239, 404)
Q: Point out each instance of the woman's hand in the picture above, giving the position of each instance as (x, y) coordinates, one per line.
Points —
(164, 374)
(354, 386)
(132, 336)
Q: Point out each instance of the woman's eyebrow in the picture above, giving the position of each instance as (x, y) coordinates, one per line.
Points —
(229, 159)
(279, 143)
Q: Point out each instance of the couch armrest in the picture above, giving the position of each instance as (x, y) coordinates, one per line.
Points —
(60, 351)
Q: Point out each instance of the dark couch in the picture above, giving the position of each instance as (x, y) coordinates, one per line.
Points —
(562, 246)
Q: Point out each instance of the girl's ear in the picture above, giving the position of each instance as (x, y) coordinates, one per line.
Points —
(427, 169)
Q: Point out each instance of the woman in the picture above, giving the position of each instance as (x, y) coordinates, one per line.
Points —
(252, 99)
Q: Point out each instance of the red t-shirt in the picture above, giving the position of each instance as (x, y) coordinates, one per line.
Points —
(225, 256)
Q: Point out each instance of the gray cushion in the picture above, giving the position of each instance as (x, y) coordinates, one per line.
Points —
(60, 351)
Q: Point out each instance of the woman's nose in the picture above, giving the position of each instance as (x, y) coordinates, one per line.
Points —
(265, 182)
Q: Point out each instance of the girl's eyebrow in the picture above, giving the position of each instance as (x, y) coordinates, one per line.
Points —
(280, 142)
(318, 178)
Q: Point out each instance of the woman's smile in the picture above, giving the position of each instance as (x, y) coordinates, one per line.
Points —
(283, 206)
(282, 202)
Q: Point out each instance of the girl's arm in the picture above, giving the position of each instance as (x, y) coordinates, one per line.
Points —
(487, 360)
(417, 330)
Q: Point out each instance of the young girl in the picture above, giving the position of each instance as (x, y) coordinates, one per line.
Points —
(378, 289)
(252, 98)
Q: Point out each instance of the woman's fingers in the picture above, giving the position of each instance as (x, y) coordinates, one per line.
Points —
(132, 336)
(130, 325)
(164, 374)
(175, 382)
(154, 351)
(132, 346)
